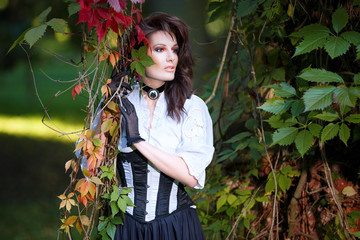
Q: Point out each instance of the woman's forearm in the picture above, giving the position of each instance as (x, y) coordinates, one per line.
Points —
(172, 165)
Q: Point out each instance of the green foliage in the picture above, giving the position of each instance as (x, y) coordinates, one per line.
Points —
(33, 34)
(141, 60)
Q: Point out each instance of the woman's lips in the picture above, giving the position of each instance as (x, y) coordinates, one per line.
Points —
(170, 68)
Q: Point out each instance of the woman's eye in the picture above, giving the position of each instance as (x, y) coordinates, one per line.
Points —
(159, 49)
(176, 50)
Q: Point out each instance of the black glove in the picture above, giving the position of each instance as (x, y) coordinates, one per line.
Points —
(115, 81)
(131, 122)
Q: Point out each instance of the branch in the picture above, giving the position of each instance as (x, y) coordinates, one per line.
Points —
(342, 218)
(294, 201)
(222, 61)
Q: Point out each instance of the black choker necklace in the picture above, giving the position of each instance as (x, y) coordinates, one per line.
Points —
(153, 93)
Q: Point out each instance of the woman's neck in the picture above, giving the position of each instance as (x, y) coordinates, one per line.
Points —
(153, 83)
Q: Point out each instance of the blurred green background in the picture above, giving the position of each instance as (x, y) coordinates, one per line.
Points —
(32, 155)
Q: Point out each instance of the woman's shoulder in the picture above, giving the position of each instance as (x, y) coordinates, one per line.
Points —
(194, 102)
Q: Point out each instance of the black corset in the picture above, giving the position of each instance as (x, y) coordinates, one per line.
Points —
(139, 167)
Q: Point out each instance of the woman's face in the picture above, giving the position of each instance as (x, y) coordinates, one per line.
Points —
(163, 49)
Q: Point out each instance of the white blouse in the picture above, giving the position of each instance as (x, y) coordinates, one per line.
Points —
(191, 138)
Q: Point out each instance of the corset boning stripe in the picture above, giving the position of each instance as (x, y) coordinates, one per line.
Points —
(139, 169)
(163, 197)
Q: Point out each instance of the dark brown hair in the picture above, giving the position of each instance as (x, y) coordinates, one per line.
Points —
(178, 90)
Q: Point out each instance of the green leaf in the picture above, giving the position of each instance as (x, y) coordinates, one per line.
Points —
(275, 121)
(221, 201)
(18, 40)
(303, 141)
(297, 108)
(354, 214)
(122, 204)
(320, 75)
(214, 5)
(329, 132)
(246, 223)
(42, 17)
(97, 142)
(140, 69)
(115, 193)
(114, 208)
(73, 8)
(270, 184)
(238, 137)
(345, 97)
(246, 7)
(309, 44)
(357, 79)
(285, 90)
(134, 54)
(125, 190)
(102, 226)
(110, 230)
(284, 182)
(284, 136)
(318, 97)
(344, 133)
(336, 46)
(276, 105)
(353, 118)
(278, 74)
(356, 3)
(116, 220)
(352, 37)
(34, 34)
(327, 116)
(58, 24)
(286, 170)
(356, 234)
(142, 51)
(147, 61)
(312, 30)
(357, 52)
(315, 129)
(339, 19)
(231, 198)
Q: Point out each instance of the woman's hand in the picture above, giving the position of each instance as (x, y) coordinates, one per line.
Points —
(131, 122)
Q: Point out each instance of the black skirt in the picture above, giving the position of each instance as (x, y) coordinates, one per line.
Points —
(182, 224)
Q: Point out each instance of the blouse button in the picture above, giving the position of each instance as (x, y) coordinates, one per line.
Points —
(148, 170)
(147, 186)
(146, 201)
(146, 212)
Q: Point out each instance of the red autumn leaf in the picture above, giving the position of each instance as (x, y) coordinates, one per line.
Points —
(136, 11)
(85, 220)
(101, 30)
(90, 16)
(140, 35)
(91, 162)
(104, 13)
(117, 5)
(70, 220)
(120, 18)
(77, 89)
(113, 25)
(82, 200)
(78, 226)
(92, 189)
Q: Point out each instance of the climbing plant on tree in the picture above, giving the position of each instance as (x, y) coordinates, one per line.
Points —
(94, 202)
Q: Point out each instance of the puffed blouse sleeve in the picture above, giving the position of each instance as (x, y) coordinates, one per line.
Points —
(196, 146)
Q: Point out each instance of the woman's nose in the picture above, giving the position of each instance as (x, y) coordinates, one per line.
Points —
(170, 56)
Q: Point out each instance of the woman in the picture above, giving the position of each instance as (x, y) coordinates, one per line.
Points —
(168, 141)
